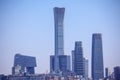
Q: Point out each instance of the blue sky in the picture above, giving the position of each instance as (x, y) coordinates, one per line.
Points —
(27, 27)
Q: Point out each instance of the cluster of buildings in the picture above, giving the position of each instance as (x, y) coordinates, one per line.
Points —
(115, 75)
(60, 64)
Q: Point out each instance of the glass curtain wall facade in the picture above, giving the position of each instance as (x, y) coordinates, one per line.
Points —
(97, 57)
(78, 59)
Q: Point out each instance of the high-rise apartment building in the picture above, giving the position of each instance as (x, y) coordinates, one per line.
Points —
(77, 56)
(97, 57)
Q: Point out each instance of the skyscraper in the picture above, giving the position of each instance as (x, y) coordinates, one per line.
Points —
(78, 59)
(97, 57)
(59, 61)
(59, 35)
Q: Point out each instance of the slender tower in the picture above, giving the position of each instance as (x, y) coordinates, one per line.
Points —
(59, 34)
(97, 57)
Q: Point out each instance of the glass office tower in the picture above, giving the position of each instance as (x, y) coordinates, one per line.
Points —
(59, 35)
(24, 64)
(78, 59)
(97, 57)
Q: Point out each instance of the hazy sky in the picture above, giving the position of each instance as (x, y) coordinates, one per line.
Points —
(27, 27)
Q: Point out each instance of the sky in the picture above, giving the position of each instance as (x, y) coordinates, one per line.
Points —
(27, 27)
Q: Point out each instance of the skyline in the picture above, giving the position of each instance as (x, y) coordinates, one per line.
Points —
(22, 24)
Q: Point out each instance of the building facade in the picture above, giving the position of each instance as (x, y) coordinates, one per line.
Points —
(64, 63)
(97, 57)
